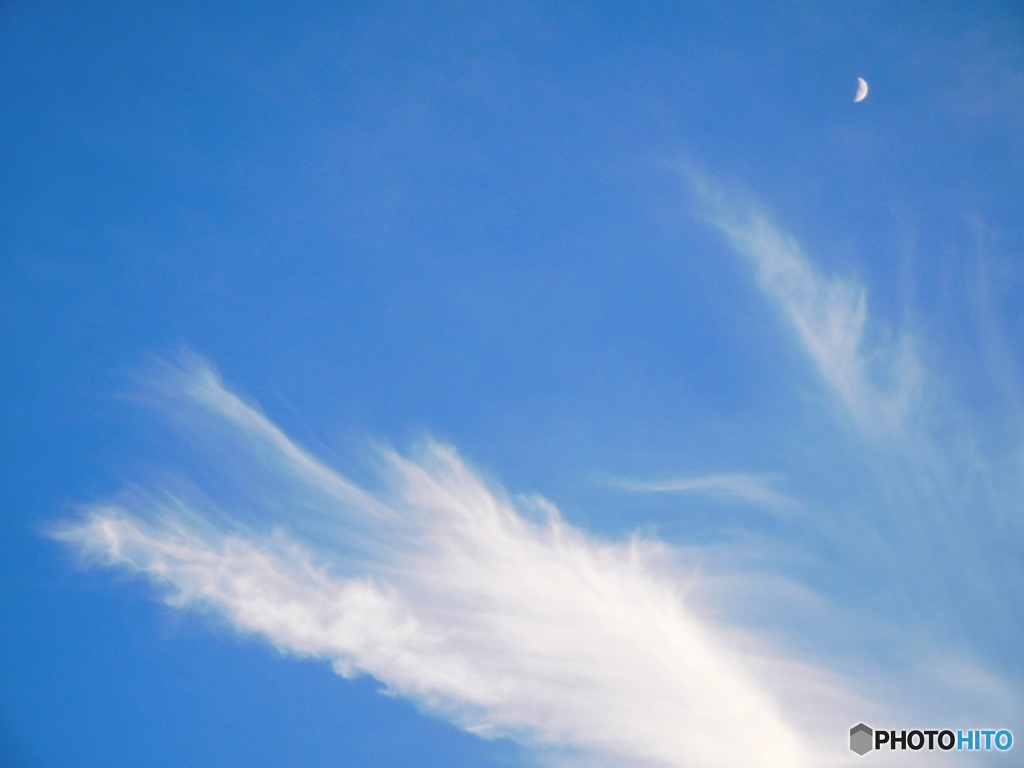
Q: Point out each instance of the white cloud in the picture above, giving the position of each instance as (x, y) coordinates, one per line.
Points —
(738, 486)
(440, 588)
(829, 315)
(452, 594)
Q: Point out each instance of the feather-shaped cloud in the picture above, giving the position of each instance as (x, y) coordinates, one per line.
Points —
(440, 587)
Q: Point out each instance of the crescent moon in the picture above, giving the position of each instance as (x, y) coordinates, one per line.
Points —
(862, 90)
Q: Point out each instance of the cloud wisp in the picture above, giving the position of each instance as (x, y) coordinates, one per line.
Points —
(829, 314)
(443, 588)
(754, 489)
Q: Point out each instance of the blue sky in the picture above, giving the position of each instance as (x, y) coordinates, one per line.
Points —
(508, 385)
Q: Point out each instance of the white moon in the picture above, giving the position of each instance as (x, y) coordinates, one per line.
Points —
(862, 89)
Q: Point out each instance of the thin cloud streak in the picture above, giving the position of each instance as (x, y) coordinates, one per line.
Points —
(452, 597)
(735, 486)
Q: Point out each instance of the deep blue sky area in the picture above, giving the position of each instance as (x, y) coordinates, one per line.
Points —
(507, 227)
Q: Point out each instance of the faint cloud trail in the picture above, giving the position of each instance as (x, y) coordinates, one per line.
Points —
(828, 315)
(737, 486)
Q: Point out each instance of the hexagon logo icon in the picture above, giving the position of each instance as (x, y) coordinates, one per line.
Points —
(861, 738)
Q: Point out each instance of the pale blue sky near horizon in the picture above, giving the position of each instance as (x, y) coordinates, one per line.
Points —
(613, 255)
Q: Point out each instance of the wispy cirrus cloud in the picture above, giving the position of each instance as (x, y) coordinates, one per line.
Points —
(741, 487)
(920, 521)
(437, 585)
(451, 593)
(878, 383)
